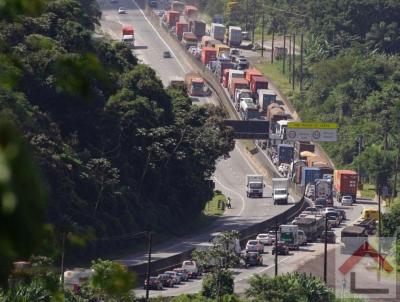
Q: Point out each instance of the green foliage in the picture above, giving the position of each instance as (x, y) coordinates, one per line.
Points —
(217, 284)
(288, 287)
(22, 200)
(112, 279)
(118, 152)
(200, 298)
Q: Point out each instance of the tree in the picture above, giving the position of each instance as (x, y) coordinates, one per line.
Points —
(218, 284)
(288, 287)
(112, 280)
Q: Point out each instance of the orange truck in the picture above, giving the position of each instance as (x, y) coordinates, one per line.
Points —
(195, 85)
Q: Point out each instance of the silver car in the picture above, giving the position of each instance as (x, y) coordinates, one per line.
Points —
(347, 200)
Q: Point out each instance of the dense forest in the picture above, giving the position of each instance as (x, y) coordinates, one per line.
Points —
(118, 152)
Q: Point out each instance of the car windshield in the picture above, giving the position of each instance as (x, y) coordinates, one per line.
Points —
(262, 236)
(252, 242)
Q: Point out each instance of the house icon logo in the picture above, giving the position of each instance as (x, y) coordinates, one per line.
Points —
(365, 249)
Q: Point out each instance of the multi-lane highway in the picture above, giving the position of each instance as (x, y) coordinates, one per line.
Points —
(230, 173)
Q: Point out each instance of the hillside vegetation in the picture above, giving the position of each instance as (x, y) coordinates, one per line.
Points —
(118, 152)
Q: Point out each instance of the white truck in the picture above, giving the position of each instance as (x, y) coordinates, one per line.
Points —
(288, 233)
(255, 185)
(280, 193)
(239, 95)
(248, 110)
(265, 98)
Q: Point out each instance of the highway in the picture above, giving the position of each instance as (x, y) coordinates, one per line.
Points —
(230, 173)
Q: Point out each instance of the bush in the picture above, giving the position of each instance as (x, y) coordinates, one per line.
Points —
(218, 284)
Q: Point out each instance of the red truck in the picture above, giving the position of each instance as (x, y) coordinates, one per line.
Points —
(250, 73)
(128, 35)
(237, 83)
(172, 17)
(208, 54)
(180, 28)
(345, 183)
(225, 78)
(258, 82)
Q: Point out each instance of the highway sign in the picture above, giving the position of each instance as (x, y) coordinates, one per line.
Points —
(253, 129)
(317, 132)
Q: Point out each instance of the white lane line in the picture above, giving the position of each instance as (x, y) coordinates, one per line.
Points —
(234, 192)
(165, 43)
(251, 166)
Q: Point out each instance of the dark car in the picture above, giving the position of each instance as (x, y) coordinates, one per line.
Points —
(253, 259)
(154, 283)
(167, 54)
(281, 248)
(331, 237)
(166, 280)
(342, 213)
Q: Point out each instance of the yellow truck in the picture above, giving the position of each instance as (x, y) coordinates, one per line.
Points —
(222, 48)
(196, 85)
(370, 213)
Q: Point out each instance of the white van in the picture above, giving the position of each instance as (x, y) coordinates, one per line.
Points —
(191, 267)
(301, 237)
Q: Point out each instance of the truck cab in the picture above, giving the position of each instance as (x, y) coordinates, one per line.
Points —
(280, 193)
(255, 186)
(248, 110)
(128, 37)
(288, 233)
(239, 95)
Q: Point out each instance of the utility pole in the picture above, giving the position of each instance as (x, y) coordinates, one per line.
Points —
(254, 22)
(276, 248)
(148, 265)
(379, 232)
(394, 191)
(272, 47)
(360, 141)
(247, 12)
(262, 34)
(294, 60)
(284, 53)
(290, 57)
(326, 249)
(62, 257)
(301, 65)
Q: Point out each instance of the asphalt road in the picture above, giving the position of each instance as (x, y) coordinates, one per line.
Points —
(230, 173)
(308, 259)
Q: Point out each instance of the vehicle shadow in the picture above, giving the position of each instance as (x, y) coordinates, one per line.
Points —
(140, 47)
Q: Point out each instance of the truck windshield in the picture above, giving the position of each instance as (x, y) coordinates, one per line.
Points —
(197, 85)
(255, 186)
(287, 237)
(280, 191)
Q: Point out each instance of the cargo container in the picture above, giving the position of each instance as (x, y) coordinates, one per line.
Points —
(258, 82)
(309, 175)
(178, 6)
(235, 74)
(198, 28)
(237, 83)
(345, 183)
(324, 168)
(180, 28)
(221, 67)
(285, 153)
(314, 159)
(265, 98)
(250, 73)
(234, 36)
(171, 17)
(217, 31)
(222, 48)
(191, 12)
(208, 54)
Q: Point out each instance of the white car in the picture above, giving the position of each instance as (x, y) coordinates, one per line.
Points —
(254, 246)
(265, 239)
(347, 200)
(121, 10)
(174, 275)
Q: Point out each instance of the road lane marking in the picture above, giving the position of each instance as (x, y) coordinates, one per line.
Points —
(157, 33)
(234, 192)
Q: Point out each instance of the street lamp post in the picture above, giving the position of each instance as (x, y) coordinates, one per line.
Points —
(148, 266)
(276, 248)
